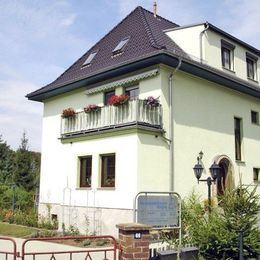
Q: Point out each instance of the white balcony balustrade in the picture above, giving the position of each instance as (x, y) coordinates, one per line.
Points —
(134, 112)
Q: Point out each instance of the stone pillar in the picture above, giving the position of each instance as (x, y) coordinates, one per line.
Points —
(134, 241)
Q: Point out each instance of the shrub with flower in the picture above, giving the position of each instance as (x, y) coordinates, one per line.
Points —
(91, 108)
(68, 112)
(152, 101)
(118, 100)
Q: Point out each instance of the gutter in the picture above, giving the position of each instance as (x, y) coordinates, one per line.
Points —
(160, 57)
(171, 127)
(201, 35)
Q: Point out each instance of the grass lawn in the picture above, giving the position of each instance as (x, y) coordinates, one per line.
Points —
(15, 230)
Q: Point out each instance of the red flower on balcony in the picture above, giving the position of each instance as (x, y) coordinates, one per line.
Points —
(118, 100)
(91, 108)
(68, 112)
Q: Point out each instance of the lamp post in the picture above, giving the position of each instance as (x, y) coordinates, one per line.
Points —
(214, 171)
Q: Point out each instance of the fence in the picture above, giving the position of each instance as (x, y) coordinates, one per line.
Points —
(10, 249)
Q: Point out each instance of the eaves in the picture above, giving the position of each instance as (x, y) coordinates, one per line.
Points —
(157, 57)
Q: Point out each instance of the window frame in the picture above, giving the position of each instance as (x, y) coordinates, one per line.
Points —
(103, 175)
(81, 174)
(251, 59)
(121, 46)
(90, 58)
(106, 99)
(227, 47)
(131, 88)
(238, 134)
(254, 117)
(256, 175)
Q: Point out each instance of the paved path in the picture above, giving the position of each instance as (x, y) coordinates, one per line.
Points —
(39, 246)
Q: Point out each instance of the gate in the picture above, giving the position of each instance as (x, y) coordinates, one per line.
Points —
(12, 251)
(108, 252)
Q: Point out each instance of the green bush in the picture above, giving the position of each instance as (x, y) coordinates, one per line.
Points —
(23, 198)
(217, 234)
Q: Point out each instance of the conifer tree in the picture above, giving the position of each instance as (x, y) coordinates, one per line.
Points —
(6, 162)
(23, 174)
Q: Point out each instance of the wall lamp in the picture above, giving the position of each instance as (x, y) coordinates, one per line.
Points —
(214, 171)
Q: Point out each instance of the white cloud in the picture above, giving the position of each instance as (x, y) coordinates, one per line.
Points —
(18, 114)
(68, 20)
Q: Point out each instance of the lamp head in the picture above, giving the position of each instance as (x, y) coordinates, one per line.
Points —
(198, 169)
(214, 171)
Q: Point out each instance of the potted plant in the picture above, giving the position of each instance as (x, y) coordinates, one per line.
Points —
(117, 100)
(91, 108)
(68, 112)
(152, 101)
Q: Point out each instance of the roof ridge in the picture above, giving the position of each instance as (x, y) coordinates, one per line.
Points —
(148, 30)
(160, 17)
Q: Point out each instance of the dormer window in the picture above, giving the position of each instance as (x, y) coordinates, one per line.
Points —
(251, 65)
(227, 55)
(90, 58)
(120, 46)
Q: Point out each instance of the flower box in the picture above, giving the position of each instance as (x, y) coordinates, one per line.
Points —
(152, 101)
(91, 108)
(68, 112)
(118, 100)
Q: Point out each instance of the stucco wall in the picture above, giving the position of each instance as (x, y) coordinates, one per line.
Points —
(204, 121)
(212, 43)
(188, 39)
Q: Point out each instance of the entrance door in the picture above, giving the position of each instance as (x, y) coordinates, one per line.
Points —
(221, 181)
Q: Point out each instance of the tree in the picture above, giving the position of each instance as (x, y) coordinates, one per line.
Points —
(24, 174)
(6, 162)
(217, 234)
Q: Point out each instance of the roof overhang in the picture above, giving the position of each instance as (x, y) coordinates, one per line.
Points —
(160, 57)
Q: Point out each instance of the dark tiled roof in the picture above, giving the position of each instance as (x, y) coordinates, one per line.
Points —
(146, 37)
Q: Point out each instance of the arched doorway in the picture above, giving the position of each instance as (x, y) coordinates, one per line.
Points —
(226, 178)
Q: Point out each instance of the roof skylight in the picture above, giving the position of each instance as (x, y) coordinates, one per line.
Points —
(120, 46)
(90, 58)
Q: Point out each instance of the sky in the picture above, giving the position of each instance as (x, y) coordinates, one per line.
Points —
(40, 39)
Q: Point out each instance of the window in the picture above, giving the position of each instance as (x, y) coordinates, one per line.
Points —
(90, 58)
(108, 95)
(251, 65)
(108, 164)
(227, 55)
(85, 171)
(254, 117)
(120, 46)
(238, 138)
(256, 172)
(132, 92)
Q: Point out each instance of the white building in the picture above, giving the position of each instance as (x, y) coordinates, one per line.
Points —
(207, 83)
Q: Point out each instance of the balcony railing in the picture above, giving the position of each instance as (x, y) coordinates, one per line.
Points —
(135, 112)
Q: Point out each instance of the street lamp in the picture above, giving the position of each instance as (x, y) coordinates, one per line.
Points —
(214, 171)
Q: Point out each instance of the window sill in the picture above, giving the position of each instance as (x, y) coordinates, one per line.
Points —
(240, 162)
(253, 80)
(256, 124)
(106, 188)
(229, 70)
(83, 188)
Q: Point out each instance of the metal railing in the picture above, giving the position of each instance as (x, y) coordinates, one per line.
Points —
(10, 250)
(109, 252)
(133, 112)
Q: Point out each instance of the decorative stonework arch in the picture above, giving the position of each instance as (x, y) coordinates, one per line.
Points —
(226, 180)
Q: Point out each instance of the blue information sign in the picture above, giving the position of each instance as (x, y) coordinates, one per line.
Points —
(158, 211)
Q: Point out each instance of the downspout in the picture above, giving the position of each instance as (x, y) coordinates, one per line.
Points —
(171, 157)
(201, 34)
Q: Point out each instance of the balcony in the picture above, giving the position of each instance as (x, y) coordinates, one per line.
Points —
(134, 113)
